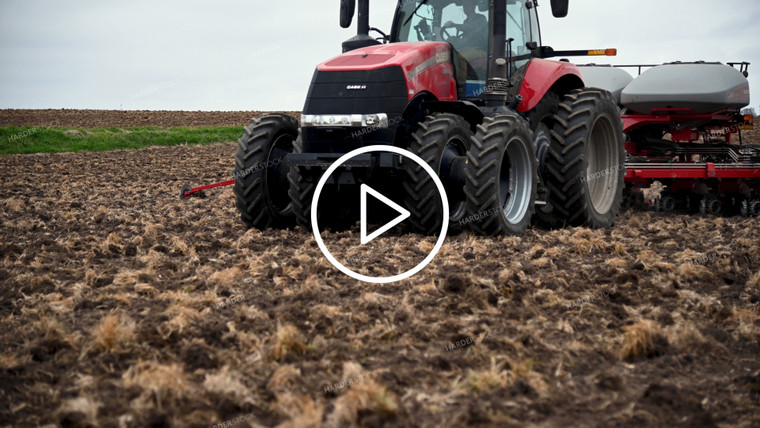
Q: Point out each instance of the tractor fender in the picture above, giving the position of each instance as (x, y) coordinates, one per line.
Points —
(425, 103)
(415, 112)
(543, 76)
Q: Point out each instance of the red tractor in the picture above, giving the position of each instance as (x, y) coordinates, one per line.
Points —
(466, 86)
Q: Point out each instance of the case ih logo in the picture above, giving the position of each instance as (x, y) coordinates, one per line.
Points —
(356, 87)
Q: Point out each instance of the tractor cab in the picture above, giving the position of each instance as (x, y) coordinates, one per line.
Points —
(465, 26)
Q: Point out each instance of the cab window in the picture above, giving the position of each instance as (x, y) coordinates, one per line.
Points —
(522, 26)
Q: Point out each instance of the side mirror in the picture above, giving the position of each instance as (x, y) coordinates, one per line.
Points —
(347, 9)
(559, 8)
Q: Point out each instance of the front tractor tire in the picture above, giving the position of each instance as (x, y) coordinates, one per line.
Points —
(584, 170)
(501, 177)
(439, 140)
(261, 184)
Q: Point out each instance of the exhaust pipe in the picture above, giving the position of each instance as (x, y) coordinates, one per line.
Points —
(497, 82)
(362, 38)
(363, 18)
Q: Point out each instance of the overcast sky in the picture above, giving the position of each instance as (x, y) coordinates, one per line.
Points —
(256, 55)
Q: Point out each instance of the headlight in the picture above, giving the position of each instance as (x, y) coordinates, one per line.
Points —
(378, 121)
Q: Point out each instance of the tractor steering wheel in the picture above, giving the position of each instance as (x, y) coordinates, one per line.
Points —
(447, 37)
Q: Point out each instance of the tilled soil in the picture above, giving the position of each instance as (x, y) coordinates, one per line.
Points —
(124, 118)
(123, 305)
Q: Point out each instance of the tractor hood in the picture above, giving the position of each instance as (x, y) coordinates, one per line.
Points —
(426, 66)
(409, 56)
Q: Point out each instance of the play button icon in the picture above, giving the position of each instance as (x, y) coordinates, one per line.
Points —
(363, 212)
(365, 191)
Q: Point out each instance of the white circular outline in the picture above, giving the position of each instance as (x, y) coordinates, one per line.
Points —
(385, 279)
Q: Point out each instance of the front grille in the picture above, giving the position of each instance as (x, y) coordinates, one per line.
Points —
(386, 92)
(374, 91)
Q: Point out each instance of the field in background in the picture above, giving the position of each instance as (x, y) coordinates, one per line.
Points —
(123, 305)
(61, 131)
(122, 118)
(42, 139)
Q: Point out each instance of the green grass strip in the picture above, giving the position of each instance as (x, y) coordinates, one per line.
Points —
(42, 139)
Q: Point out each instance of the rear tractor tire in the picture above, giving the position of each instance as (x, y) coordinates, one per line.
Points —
(501, 177)
(261, 184)
(440, 140)
(584, 170)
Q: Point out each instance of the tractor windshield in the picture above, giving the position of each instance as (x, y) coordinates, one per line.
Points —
(458, 22)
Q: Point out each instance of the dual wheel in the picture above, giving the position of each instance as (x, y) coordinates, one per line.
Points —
(573, 147)
(582, 161)
(491, 173)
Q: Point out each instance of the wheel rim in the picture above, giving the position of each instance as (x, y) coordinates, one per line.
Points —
(277, 175)
(515, 181)
(454, 148)
(602, 172)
